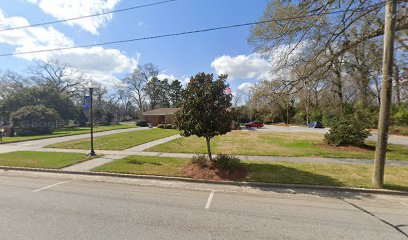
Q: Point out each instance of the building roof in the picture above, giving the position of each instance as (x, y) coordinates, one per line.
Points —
(161, 111)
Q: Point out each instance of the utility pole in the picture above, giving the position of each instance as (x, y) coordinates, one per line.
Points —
(307, 102)
(385, 105)
(92, 153)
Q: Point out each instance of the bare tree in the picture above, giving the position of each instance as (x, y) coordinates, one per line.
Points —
(59, 76)
(136, 82)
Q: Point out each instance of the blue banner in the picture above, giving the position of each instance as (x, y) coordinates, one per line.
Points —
(87, 102)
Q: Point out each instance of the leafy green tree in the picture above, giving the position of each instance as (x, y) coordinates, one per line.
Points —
(33, 120)
(164, 93)
(152, 89)
(204, 110)
(175, 93)
(46, 96)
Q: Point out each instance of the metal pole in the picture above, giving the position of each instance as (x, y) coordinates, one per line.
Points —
(92, 153)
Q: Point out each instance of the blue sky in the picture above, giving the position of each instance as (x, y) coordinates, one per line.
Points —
(181, 57)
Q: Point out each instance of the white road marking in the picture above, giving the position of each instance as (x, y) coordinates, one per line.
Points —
(52, 185)
(207, 206)
(406, 204)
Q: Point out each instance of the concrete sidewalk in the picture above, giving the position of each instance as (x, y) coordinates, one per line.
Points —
(35, 145)
(114, 155)
(111, 155)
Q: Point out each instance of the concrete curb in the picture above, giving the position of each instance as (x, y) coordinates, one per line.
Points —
(232, 183)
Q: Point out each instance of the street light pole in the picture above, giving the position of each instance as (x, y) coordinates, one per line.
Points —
(92, 153)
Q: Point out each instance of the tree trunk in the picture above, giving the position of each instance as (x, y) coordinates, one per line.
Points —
(208, 140)
(397, 85)
(383, 121)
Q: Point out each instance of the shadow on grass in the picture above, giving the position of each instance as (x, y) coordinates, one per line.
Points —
(137, 162)
(395, 187)
(275, 173)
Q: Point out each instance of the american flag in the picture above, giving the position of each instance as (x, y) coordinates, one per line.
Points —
(227, 90)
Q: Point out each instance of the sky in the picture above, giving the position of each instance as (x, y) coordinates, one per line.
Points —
(180, 57)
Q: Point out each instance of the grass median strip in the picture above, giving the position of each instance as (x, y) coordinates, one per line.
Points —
(276, 144)
(343, 175)
(53, 160)
(161, 166)
(118, 141)
(67, 132)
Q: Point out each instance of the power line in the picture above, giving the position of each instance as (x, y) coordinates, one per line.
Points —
(88, 16)
(136, 39)
(167, 35)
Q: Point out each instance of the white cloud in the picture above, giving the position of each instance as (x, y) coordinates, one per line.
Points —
(63, 9)
(246, 87)
(252, 66)
(96, 59)
(30, 39)
(163, 76)
(184, 80)
(98, 63)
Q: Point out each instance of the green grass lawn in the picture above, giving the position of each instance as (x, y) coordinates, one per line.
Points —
(118, 141)
(67, 132)
(145, 165)
(344, 175)
(54, 160)
(399, 130)
(276, 144)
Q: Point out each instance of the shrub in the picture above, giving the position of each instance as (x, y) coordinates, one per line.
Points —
(169, 126)
(347, 131)
(227, 162)
(107, 119)
(235, 125)
(34, 120)
(161, 126)
(201, 160)
(141, 123)
(400, 117)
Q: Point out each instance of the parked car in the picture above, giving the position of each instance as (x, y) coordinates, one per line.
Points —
(254, 124)
(315, 125)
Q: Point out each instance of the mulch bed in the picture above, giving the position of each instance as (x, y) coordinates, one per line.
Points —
(209, 173)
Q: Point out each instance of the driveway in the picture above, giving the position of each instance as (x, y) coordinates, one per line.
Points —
(394, 139)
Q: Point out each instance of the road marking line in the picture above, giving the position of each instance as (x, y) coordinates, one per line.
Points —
(207, 206)
(51, 186)
(406, 204)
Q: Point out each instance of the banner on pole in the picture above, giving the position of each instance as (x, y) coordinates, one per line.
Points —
(87, 103)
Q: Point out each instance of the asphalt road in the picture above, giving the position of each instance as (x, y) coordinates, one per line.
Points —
(394, 139)
(43, 206)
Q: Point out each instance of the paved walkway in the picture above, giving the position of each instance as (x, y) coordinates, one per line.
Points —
(114, 155)
(41, 143)
(91, 164)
